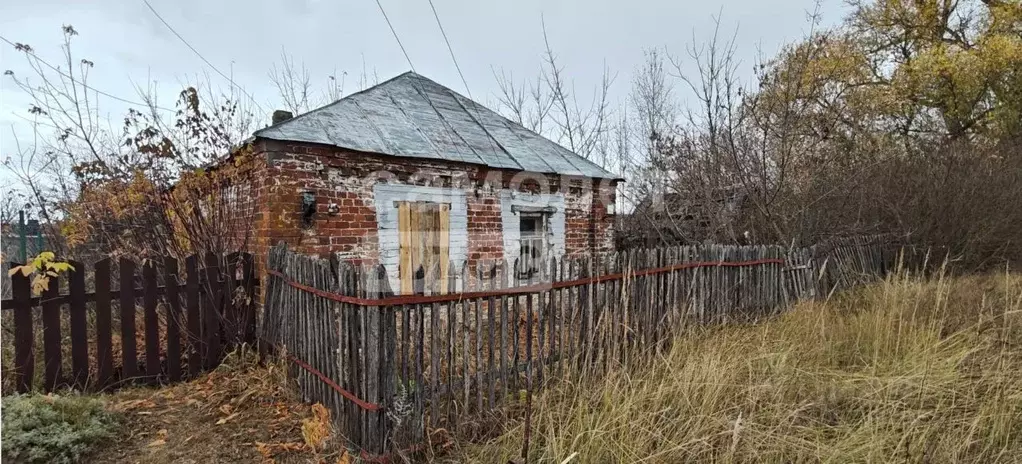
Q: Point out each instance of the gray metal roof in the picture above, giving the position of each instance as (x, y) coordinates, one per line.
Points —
(415, 117)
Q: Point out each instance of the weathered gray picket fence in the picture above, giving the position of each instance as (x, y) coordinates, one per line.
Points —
(391, 366)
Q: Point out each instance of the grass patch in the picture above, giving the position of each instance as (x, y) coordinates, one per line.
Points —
(904, 370)
(57, 429)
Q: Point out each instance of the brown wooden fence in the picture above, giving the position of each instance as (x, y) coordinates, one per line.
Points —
(117, 324)
(392, 366)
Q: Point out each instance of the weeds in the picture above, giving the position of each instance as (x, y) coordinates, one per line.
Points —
(904, 370)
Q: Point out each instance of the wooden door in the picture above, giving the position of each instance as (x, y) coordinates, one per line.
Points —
(424, 234)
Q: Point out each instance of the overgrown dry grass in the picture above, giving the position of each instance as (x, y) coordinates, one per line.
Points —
(904, 370)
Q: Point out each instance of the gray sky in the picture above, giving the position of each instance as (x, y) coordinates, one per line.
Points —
(129, 45)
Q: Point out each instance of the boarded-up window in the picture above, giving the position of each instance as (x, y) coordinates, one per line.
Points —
(424, 234)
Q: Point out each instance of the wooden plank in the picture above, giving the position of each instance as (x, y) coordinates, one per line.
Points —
(565, 325)
(387, 370)
(51, 336)
(79, 328)
(429, 244)
(445, 247)
(24, 336)
(350, 315)
(540, 327)
(420, 344)
(212, 312)
(490, 316)
(416, 245)
(152, 324)
(372, 441)
(614, 315)
(571, 331)
(551, 312)
(464, 310)
(528, 345)
(129, 357)
(434, 356)
(174, 315)
(452, 332)
(477, 307)
(230, 312)
(404, 224)
(515, 318)
(104, 331)
(406, 344)
(502, 328)
(249, 285)
(603, 311)
(194, 322)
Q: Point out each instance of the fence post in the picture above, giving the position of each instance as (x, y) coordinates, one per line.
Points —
(193, 332)
(170, 272)
(214, 312)
(373, 440)
(51, 336)
(151, 323)
(104, 326)
(24, 355)
(79, 331)
(387, 367)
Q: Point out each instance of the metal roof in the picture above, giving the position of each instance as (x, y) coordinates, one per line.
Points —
(415, 117)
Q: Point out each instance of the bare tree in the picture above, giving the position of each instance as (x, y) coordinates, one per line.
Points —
(550, 106)
(654, 120)
(293, 83)
(335, 86)
(132, 189)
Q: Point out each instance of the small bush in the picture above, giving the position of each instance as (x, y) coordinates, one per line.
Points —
(57, 429)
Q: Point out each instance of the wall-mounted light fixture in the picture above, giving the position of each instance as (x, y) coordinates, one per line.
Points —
(332, 208)
(308, 207)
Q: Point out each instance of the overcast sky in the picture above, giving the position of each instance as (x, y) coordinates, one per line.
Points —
(129, 45)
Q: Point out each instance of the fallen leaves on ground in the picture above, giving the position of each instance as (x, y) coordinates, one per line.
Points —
(240, 412)
(316, 430)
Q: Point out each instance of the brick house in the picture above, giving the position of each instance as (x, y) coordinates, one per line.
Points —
(409, 173)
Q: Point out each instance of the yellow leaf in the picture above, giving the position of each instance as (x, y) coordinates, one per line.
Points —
(26, 270)
(159, 442)
(345, 458)
(316, 430)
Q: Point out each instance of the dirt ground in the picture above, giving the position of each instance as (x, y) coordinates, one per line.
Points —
(242, 412)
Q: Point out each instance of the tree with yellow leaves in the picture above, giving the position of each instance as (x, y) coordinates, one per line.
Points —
(923, 71)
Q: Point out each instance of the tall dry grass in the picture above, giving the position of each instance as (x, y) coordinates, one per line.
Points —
(903, 370)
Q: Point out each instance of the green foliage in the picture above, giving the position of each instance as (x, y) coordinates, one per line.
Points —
(53, 429)
(41, 268)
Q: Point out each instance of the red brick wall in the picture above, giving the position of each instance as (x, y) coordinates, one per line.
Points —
(485, 230)
(346, 179)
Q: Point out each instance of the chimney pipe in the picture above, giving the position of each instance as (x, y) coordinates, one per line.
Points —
(280, 116)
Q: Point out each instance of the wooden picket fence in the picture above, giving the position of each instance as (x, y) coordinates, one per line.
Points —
(392, 366)
(118, 324)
